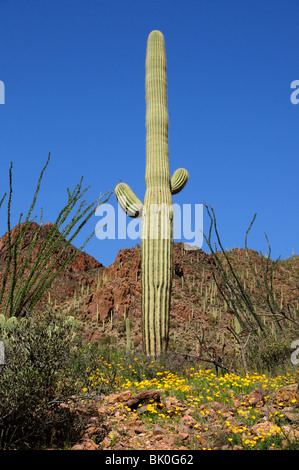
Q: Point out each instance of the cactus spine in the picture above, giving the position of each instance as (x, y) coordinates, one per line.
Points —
(156, 211)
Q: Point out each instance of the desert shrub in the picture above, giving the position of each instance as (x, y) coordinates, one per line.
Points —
(36, 377)
(272, 354)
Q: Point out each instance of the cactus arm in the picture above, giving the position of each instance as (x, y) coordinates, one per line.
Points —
(178, 180)
(128, 200)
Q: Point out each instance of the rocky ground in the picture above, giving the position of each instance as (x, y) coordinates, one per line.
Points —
(118, 422)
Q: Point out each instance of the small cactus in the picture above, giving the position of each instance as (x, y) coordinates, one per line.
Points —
(2, 320)
(11, 323)
(72, 322)
(128, 335)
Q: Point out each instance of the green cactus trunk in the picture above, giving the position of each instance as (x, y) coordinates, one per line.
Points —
(157, 226)
(157, 211)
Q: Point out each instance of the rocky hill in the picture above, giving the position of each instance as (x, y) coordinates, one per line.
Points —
(102, 298)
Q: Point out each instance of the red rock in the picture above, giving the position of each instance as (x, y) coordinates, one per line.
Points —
(120, 397)
(257, 396)
(106, 443)
(86, 444)
(158, 430)
(288, 395)
(188, 420)
(99, 304)
(144, 397)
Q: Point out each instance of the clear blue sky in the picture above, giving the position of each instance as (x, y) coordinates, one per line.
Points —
(74, 86)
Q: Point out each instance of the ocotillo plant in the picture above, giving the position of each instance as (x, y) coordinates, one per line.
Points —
(27, 285)
(156, 211)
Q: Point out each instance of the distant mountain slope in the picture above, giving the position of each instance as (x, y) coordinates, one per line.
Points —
(103, 297)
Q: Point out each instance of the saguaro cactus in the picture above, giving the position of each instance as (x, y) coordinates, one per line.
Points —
(156, 211)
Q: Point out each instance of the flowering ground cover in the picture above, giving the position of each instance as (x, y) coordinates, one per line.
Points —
(196, 409)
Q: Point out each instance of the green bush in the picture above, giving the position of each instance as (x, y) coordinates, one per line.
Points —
(272, 354)
(38, 374)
